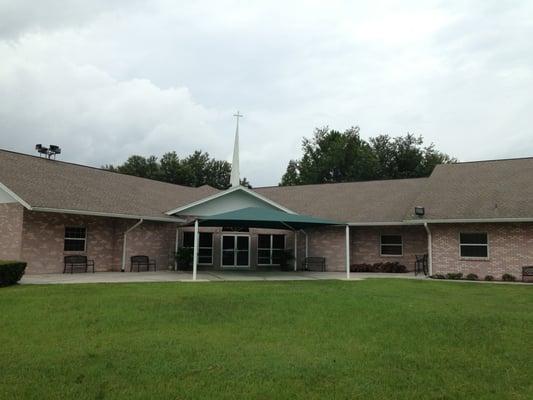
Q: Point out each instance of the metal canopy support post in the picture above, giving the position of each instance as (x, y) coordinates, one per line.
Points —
(295, 250)
(195, 256)
(347, 252)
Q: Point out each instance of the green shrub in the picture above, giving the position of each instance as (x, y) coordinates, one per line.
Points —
(489, 278)
(387, 267)
(508, 278)
(454, 275)
(11, 272)
(184, 258)
(437, 276)
(472, 277)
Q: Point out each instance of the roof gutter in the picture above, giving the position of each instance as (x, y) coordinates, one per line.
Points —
(467, 220)
(103, 214)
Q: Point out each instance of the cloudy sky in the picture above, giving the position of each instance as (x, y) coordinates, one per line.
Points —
(107, 79)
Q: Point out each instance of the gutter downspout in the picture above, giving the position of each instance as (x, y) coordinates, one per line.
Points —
(306, 243)
(430, 245)
(123, 268)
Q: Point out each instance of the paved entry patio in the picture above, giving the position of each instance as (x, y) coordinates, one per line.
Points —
(203, 276)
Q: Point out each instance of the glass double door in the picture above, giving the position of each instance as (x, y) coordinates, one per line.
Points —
(236, 251)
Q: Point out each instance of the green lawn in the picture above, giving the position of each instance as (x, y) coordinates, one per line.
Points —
(373, 339)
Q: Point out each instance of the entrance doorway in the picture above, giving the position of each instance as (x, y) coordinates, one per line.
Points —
(235, 251)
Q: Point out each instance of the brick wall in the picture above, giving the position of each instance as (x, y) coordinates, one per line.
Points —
(11, 217)
(43, 240)
(510, 248)
(329, 242)
(365, 244)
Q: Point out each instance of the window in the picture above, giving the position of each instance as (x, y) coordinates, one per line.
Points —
(270, 249)
(75, 238)
(474, 245)
(391, 245)
(205, 246)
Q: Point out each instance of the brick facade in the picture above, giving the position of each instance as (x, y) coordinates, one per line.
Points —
(43, 241)
(510, 248)
(365, 245)
(11, 220)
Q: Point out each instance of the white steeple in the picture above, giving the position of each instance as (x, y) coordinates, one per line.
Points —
(235, 174)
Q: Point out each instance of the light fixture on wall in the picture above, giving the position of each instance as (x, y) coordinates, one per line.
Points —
(420, 211)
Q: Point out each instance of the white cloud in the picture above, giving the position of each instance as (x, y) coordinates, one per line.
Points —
(157, 76)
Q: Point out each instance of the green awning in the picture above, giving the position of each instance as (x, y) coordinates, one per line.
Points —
(255, 217)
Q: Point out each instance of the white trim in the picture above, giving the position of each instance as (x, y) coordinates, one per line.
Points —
(102, 214)
(195, 251)
(14, 195)
(474, 258)
(224, 193)
(271, 248)
(430, 251)
(394, 244)
(469, 221)
(212, 248)
(395, 223)
(347, 251)
(234, 250)
(73, 238)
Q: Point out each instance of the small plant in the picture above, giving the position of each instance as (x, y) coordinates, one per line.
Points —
(437, 276)
(454, 275)
(184, 258)
(508, 278)
(472, 277)
(387, 267)
(11, 272)
(489, 278)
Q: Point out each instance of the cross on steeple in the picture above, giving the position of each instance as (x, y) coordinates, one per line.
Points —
(235, 174)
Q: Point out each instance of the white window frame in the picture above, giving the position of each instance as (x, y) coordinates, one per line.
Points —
(271, 248)
(202, 247)
(381, 244)
(84, 239)
(474, 244)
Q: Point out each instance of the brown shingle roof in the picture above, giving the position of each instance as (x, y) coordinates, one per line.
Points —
(363, 202)
(44, 183)
(479, 190)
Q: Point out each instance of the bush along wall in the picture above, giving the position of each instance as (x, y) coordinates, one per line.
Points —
(11, 272)
(387, 267)
(473, 277)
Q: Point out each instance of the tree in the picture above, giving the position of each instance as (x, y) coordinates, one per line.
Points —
(332, 156)
(194, 170)
(405, 156)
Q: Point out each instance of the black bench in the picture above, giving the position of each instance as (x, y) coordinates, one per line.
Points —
(314, 264)
(421, 264)
(527, 274)
(78, 262)
(142, 261)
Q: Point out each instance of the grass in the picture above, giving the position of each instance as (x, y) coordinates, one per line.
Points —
(373, 339)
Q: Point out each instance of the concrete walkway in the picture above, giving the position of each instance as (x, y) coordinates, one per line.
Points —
(203, 276)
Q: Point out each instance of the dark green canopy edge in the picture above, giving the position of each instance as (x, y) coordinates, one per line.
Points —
(255, 217)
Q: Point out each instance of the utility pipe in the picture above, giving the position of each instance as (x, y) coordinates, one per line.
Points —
(123, 268)
(430, 245)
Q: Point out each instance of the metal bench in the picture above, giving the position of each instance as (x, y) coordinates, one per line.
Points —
(142, 261)
(79, 262)
(527, 274)
(421, 264)
(314, 264)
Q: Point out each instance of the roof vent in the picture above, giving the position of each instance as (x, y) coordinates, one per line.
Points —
(49, 152)
(420, 211)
